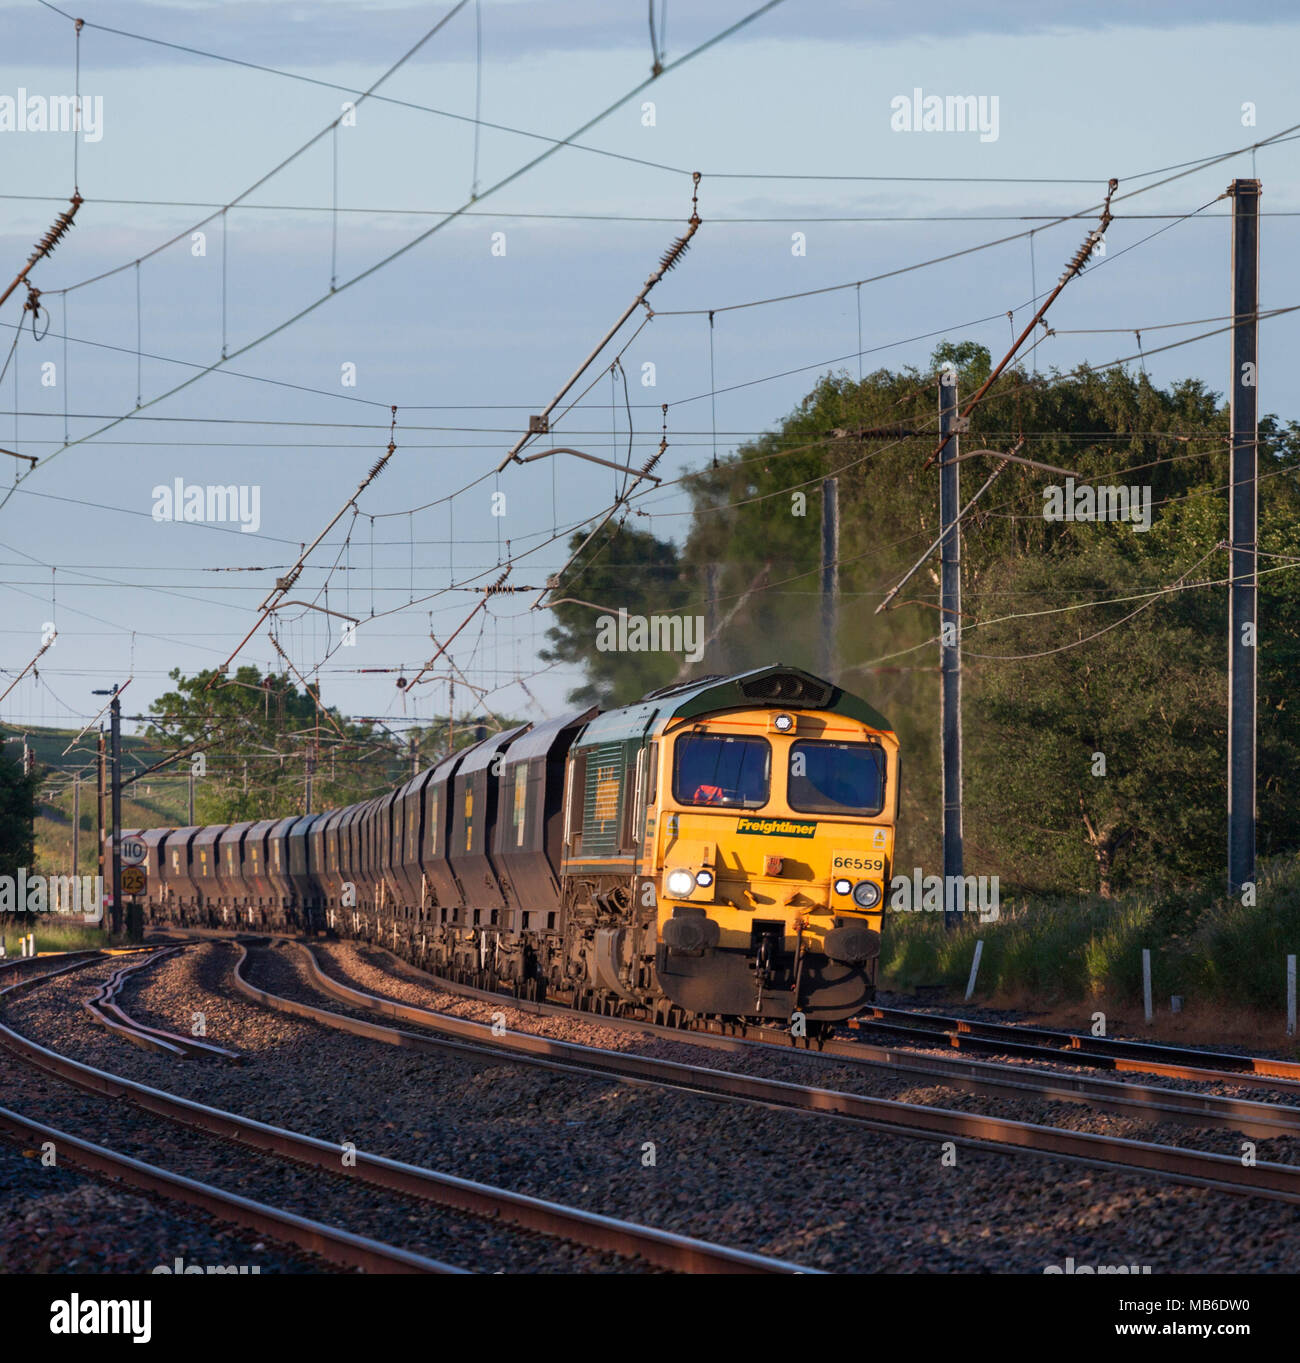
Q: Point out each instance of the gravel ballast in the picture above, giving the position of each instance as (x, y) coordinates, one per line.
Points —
(794, 1185)
(466, 1241)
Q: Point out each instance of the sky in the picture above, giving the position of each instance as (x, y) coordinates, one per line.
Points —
(335, 267)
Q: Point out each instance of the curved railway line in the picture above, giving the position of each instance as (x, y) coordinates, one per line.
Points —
(1124, 1099)
(1202, 1168)
(371, 1015)
(105, 1010)
(533, 1216)
(1112, 1053)
(1146, 1102)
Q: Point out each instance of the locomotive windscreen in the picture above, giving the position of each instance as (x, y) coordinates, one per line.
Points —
(719, 769)
(836, 778)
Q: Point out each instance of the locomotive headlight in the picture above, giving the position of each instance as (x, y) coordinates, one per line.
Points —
(680, 883)
(704, 879)
(866, 894)
(843, 886)
(783, 723)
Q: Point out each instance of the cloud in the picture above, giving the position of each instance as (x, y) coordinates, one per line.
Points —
(297, 35)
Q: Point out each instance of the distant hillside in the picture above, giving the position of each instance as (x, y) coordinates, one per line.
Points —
(154, 801)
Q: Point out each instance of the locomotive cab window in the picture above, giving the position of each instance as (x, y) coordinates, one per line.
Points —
(836, 778)
(721, 769)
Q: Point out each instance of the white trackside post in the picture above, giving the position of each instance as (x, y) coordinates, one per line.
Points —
(974, 968)
(1290, 996)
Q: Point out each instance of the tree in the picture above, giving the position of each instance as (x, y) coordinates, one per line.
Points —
(1147, 692)
(621, 569)
(17, 812)
(259, 738)
(1096, 737)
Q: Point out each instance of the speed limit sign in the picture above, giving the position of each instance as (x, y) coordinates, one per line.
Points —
(132, 851)
(133, 880)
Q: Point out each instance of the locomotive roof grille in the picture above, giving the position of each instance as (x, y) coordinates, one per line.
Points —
(787, 688)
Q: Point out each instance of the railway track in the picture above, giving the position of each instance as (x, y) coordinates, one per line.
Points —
(102, 1006)
(677, 1253)
(330, 1242)
(1112, 1053)
(1207, 1169)
(1263, 1120)
(333, 1243)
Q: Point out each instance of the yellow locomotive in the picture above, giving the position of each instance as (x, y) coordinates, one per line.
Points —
(763, 808)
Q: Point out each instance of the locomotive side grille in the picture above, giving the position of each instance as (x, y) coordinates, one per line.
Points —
(604, 782)
(787, 688)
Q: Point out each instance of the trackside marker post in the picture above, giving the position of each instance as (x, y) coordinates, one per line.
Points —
(1146, 983)
(974, 968)
(1290, 996)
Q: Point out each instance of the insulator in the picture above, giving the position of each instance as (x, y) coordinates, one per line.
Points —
(675, 252)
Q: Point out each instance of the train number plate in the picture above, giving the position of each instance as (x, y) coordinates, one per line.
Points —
(847, 861)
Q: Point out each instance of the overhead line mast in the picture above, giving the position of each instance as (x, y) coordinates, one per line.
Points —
(1243, 520)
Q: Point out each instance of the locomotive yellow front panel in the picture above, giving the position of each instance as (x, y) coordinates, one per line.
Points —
(771, 853)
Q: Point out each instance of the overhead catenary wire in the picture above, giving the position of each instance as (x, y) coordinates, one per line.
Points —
(1154, 594)
(715, 219)
(1285, 135)
(380, 99)
(283, 584)
(425, 235)
(669, 260)
(408, 513)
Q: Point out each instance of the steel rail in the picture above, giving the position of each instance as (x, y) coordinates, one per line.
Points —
(83, 960)
(1263, 1120)
(102, 1006)
(330, 1242)
(15, 963)
(665, 1249)
(1140, 1101)
(1113, 1053)
(1223, 1173)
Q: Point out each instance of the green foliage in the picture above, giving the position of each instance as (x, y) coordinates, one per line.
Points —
(1073, 642)
(260, 738)
(622, 568)
(52, 934)
(17, 810)
(1202, 945)
(1237, 951)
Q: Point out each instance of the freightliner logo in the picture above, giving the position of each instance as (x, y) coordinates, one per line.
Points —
(785, 828)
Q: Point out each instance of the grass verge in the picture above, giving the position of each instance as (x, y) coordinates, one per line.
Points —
(1217, 953)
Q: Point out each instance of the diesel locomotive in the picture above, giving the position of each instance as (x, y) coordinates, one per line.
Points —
(720, 849)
